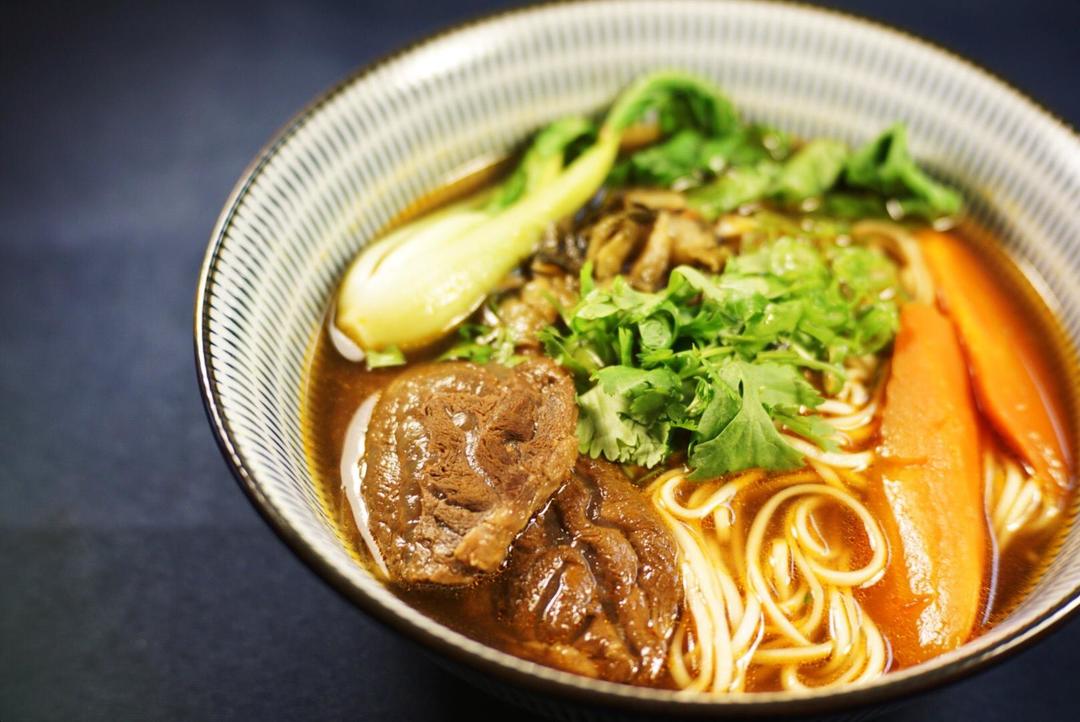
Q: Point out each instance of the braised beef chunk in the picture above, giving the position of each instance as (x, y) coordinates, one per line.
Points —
(535, 305)
(458, 458)
(593, 582)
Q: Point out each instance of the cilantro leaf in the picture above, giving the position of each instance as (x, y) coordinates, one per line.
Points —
(605, 427)
(745, 434)
(483, 344)
(390, 356)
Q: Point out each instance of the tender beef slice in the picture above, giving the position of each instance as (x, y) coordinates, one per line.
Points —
(593, 582)
(458, 458)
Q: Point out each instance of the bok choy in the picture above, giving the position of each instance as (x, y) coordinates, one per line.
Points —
(419, 282)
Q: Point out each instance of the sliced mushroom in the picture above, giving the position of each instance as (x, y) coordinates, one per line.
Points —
(614, 240)
(650, 270)
(657, 200)
(695, 244)
(644, 233)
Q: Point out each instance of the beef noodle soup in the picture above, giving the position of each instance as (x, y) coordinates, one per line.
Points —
(681, 401)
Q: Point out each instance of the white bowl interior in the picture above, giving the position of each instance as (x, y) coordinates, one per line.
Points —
(387, 137)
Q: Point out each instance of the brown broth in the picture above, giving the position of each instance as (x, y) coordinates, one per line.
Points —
(334, 388)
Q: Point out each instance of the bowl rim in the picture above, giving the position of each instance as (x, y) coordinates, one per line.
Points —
(557, 683)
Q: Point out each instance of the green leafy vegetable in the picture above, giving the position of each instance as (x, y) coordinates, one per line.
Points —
(483, 344)
(886, 167)
(689, 158)
(544, 160)
(675, 101)
(812, 171)
(683, 159)
(730, 165)
(390, 356)
(621, 415)
(717, 362)
(740, 433)
(737, 187)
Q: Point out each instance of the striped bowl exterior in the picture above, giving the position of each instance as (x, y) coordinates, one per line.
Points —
(360, 154)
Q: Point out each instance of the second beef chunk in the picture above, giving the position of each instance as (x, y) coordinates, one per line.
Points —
(458, 458)
(593, 582)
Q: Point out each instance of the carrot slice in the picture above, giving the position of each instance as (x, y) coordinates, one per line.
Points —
(1012, 383)
(928, 493)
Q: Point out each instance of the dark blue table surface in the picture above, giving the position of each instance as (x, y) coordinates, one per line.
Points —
(136, 583)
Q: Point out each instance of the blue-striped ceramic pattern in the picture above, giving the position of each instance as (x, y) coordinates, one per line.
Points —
(360, 154)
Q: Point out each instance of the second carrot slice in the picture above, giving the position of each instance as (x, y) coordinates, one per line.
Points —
(1011, 381)
(928, 493)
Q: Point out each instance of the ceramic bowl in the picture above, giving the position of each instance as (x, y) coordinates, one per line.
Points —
(394, 131)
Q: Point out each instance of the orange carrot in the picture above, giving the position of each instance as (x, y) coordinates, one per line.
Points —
(928, 493)
(1012, 383)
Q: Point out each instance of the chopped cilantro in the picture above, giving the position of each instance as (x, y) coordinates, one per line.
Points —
(715, 364)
